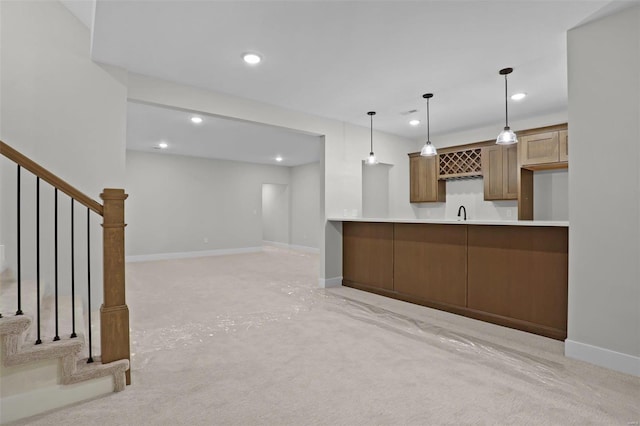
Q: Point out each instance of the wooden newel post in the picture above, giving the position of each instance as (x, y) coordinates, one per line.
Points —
(114, 313)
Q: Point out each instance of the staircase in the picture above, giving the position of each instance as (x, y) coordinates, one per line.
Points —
(48, 331)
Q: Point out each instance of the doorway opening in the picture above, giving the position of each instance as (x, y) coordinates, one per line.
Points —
(275, 214)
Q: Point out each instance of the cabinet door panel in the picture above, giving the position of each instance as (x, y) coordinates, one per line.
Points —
(430, 262)
(367, 256)
(415, 180)
(492, 172)
(539, 148)
(499, 172)
(510, 173)
(564, 145)
(424, 184)
(431, 189)
(519, 272)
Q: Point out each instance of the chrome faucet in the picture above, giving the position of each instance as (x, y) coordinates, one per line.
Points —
(461, 208)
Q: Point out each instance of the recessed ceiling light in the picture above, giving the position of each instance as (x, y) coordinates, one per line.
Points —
(163, 145)
(278, 158)
(252, 58)
(196, 120)
(518, 96)
(414, 122)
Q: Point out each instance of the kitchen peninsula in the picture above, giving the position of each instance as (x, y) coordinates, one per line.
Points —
(511, 273)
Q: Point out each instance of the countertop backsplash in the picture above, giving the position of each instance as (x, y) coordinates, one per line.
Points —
(550, 200)
(470, 194)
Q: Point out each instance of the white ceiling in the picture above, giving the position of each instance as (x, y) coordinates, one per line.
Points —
(216, 137)
(340, 59)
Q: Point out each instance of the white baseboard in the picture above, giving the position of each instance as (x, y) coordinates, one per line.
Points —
(16, 407)
(305, 248)
(330, 282)
(291, 246)
(191, 254)
(607, 358)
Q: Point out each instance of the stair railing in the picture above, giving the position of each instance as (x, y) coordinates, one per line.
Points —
(114, 313)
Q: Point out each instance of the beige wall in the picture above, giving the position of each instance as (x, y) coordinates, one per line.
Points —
(275, 213)
(305, 205)
(184, 205)
(604, 192)
(181, 204)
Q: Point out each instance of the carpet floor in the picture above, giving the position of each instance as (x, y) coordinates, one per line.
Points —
(250, 339)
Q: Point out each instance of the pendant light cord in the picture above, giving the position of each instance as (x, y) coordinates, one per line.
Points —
(428, 136)
(371, 115)
(506, 108)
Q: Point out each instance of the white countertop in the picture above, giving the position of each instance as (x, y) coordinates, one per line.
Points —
(454, 222)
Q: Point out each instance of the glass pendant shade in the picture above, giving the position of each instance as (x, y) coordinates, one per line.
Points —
(428, 150)
(371, 159)
(507, 137)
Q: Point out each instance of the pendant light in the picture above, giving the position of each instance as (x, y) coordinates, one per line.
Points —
(428, 150)
(507, 136)
(371, 160)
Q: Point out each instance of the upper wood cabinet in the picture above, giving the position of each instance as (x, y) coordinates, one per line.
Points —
(424, 184)
(544, 149)
(500, 172)
(539, 148)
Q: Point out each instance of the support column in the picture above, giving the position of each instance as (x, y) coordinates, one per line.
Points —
(114, 313)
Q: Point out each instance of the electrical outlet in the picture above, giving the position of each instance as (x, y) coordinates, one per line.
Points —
(206, 240)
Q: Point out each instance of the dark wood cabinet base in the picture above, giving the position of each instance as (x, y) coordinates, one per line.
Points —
(513, 276)
(466, 312)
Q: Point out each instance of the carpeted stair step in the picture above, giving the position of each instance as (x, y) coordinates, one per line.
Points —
(74, 370)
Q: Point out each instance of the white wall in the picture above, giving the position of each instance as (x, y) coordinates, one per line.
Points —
(551, 195)
(66, 113)
(181, 204)
(550, 188)
(275, 213)
(604, 192)
(305, 205)
(208, 205)
(375, 190)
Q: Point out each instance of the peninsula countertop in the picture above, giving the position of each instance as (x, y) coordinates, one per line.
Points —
(556, 223)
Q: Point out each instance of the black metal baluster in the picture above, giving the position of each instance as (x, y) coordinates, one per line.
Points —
(73, 283)
(90, 360)
(19, 311)
(55, 256)
(38, 341)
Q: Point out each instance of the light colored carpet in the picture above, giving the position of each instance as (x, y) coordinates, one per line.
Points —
(249, 339)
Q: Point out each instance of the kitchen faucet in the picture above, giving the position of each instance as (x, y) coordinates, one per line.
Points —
(462, 208)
